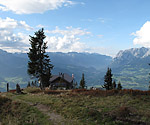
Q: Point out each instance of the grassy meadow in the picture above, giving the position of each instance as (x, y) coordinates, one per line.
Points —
(75, 107)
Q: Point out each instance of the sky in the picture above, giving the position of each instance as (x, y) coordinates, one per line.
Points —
(93, 26)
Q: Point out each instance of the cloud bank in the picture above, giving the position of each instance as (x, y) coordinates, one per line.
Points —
(67, 40)
(142, 36)
(14, 37)
(32, 6)
(11, 39)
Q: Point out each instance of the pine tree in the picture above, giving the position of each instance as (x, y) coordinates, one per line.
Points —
(119, 86)
(114, 84)
(29, 85)
(32, 84)
(35, 83)
(82, 82)
(39, 63)
(108, 80)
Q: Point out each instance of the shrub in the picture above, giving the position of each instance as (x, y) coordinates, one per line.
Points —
(18, 90)
(54, 91)
(123, 111)
(33, 90)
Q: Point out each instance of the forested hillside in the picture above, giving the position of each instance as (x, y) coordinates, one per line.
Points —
(15, 70)
(130, 67)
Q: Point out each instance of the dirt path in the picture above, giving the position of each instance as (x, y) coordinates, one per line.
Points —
(54, 117)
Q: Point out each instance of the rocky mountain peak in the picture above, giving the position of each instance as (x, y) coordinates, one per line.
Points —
(133, 53)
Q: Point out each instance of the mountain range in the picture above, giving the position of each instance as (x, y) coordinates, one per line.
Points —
(130, 67)
(14, 67)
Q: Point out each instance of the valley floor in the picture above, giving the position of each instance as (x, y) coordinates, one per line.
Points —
(77, 107)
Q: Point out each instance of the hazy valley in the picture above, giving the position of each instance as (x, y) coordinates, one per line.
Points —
(130, 67)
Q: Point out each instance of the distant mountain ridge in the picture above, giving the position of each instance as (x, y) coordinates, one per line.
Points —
(14, 66)
(94, 60)
(131, 67)
(132, 54)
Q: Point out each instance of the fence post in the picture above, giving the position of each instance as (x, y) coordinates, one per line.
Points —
(7, 87)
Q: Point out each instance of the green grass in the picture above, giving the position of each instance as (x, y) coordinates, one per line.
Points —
(137, 77)
(90, 110)
(16, 113)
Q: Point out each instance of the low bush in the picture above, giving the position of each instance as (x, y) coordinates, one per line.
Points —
(33, 90)
(123, 111)
(111, 92)
(55, 92)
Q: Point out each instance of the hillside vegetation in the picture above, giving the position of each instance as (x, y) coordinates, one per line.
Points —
(18, 113)
(78, 107)
(15, 70)
(130, 67)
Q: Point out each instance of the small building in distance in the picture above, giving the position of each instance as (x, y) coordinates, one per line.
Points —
(61, 81)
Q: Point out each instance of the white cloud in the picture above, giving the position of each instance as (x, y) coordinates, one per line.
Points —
(142, 36)
(32, 6)
(10, 38)
(65, 44)
(67, 40)
(109, 51)
(9, 23)
(70, 31)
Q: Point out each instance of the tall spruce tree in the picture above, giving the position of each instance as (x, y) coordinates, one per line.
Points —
(114, 84)
(39, 63)
(108, 80)
(119, 86)
(82, 82)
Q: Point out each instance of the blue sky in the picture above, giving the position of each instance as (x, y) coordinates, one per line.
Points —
(99, 26)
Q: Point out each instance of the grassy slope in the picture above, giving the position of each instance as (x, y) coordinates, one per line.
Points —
(16, 113)
(132, 74)
(84, 109)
